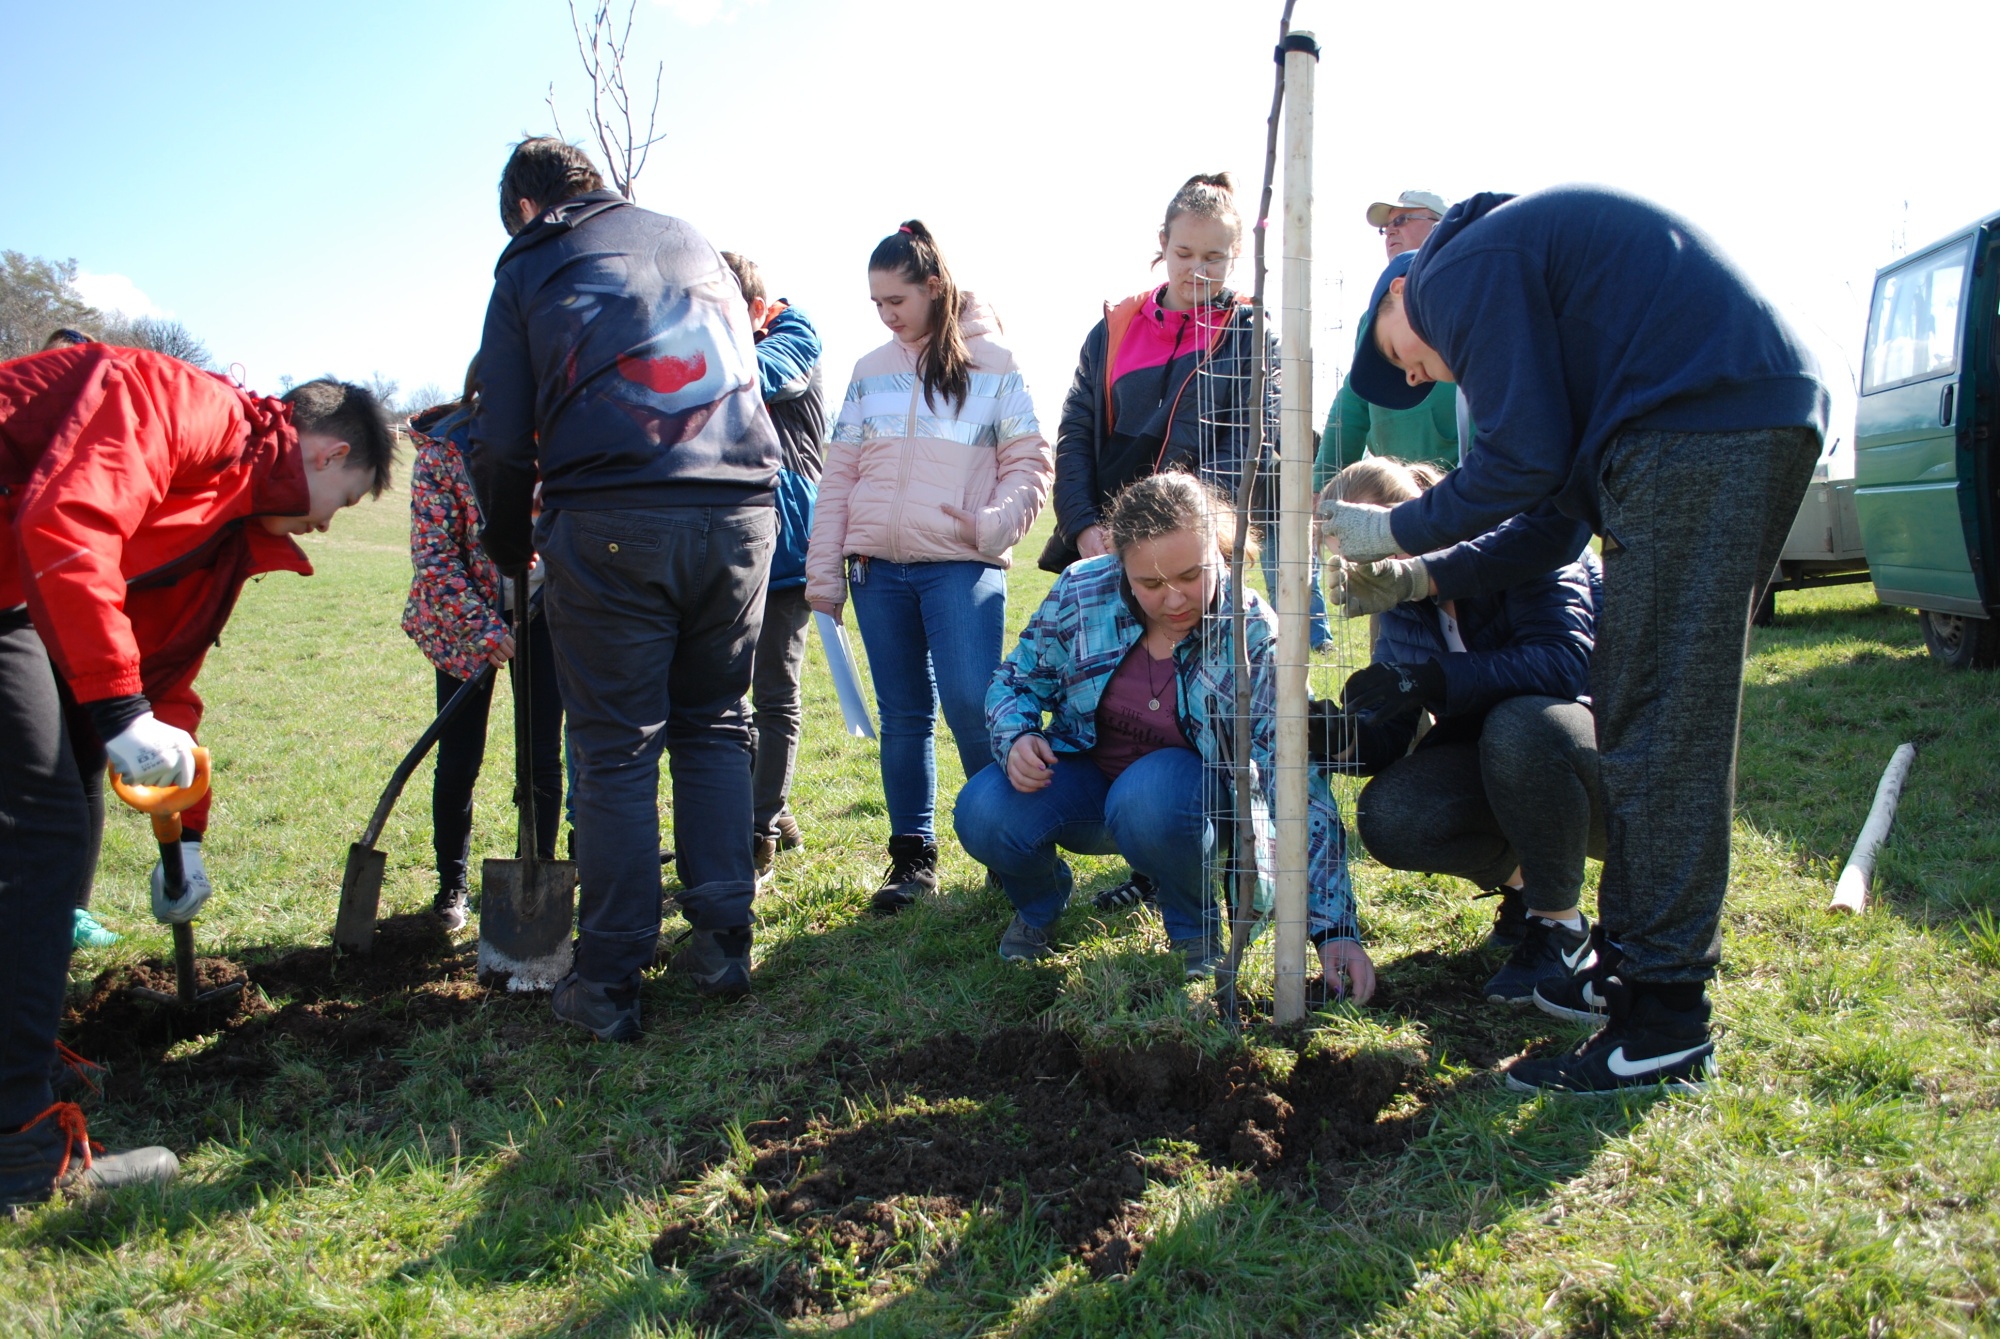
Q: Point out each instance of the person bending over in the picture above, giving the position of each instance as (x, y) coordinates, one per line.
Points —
(137, 495)
(1105, 727)
(1502, 789)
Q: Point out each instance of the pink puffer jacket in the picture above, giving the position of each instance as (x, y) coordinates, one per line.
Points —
(896, 461)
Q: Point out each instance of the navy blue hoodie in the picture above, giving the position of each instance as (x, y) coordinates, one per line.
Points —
(617, 362)
(1570, 315)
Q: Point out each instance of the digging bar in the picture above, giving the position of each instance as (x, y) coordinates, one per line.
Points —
(163, 804)
(361, 884)
(526, 905)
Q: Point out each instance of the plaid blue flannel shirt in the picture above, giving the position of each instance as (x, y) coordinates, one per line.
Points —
(1067, 654)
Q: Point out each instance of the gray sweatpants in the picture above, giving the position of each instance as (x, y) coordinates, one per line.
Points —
(1523, 795)
(1693, 524)
(774, 693)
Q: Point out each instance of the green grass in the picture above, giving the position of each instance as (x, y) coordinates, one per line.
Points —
(1842, 1179)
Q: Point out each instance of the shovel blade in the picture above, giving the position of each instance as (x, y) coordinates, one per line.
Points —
(526, 908)
(360, 899)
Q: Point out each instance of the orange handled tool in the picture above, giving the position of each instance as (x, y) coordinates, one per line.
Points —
(164, 805)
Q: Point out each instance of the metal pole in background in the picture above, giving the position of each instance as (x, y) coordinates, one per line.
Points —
(1295, 507)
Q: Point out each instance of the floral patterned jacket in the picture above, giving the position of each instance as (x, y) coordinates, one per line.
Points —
(1065, 657)
(453, 614)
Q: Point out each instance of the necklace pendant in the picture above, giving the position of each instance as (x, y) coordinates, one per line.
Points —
(1154, 704)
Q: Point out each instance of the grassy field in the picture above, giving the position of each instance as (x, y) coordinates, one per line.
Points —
(467, 1168)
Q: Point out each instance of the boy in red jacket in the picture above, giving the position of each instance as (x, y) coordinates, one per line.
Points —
(137, 495)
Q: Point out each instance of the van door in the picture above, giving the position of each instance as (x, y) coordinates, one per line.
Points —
(1979, 421)
(1906, 460)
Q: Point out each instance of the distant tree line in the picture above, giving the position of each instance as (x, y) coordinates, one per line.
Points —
(38, 297)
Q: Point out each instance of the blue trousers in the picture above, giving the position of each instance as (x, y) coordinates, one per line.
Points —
(1153, 815)
(933, 633)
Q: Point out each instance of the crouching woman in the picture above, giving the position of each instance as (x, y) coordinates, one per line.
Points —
(1109, 722)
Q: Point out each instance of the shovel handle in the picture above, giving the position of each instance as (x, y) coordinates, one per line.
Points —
(163, 801)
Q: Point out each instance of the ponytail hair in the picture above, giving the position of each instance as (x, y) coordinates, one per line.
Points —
(946, 363)
(1209, 195)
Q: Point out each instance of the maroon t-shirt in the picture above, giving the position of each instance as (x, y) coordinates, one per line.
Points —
(1139, 712)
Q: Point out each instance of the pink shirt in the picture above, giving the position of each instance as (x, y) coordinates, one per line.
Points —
(1139, 712)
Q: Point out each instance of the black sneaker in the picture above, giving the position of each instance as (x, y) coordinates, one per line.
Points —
(1643, 1043)
(912, 871)
(1548, 952)
(717, 962)
(1579, 997)
(451, 906)
(609, 1013)
(1510, 917)
(1139, 888)
(55, 1150)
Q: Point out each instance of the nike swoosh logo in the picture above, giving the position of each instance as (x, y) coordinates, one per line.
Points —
(1626, 1069)
(1582, 959)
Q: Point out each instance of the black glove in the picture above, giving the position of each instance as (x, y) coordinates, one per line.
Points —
(1329, 733)
(1383, 692)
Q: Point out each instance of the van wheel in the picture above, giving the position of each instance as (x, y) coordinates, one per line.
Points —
(1961, 642)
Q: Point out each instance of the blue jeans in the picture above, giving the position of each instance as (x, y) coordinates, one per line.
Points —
(933, 633)
(1153, 815)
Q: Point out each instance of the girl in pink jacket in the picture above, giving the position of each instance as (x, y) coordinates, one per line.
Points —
(936, 469)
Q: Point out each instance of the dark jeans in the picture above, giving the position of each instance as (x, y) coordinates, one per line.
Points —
(774, 690)
(933, 633)
(1152, 815)
(1523, 795)
(46, 853)
(655, 615)
(461, 749)
(1693, 525)
(90, 761)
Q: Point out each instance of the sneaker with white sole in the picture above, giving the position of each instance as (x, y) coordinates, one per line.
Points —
(1644, 1043)
(1579, 997)
(1139, 888)
(1510, 916)
(1548, 953)
(1024, 942)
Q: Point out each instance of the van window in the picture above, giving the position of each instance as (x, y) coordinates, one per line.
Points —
(1913, 330)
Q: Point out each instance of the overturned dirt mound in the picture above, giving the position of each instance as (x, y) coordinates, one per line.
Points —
(1021, 1120)
(334, 1006)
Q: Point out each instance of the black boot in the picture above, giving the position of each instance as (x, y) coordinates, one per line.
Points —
(717, 962)
(912, 871)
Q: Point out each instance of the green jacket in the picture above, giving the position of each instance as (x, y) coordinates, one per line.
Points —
(1428, 432)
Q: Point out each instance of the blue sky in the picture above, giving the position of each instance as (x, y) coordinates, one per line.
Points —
(311, 189)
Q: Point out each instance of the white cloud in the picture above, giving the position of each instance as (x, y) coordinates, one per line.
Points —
(116, 293)
(701, 12)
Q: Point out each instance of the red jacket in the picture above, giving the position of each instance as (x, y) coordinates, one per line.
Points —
(125, 481)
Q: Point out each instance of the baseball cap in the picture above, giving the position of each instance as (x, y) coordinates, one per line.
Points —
(1374, 378)
(1382, 211)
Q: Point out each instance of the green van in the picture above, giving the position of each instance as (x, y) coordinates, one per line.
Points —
(1924, 466)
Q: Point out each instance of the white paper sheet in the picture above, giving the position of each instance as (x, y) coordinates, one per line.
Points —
(846, 678)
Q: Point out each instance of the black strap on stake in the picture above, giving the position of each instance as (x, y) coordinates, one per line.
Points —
(1305, 42)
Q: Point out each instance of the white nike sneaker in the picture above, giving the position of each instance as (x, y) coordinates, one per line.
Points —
(1643, 1045)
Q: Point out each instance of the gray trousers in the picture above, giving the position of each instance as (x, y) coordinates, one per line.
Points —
(1693, 524)
(655, 615)
(774, 692)
(1523, 795)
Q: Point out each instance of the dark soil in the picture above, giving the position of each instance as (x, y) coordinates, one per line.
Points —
(1073, 1138)
(352, 1011)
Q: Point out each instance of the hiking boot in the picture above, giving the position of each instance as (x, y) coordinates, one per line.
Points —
(1023, 942)
(1645, 1041)
(1510, 918)
(71, 1076)
(912, 871)
(55, 1150)
(451, 906)
(789, 836)
(1139, 888)
(717, 962)
(1203, 955)
(1548, 953)
(609, 1013)
(86, 931)
(1579, 997)
(763, 857)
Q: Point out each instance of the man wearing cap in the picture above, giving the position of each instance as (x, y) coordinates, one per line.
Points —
(1353, 426)
(1626, 371)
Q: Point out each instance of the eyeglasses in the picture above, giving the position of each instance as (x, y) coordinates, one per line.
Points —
(1405, 220)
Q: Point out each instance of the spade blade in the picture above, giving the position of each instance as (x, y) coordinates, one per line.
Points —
(526, 908)
(360, 898)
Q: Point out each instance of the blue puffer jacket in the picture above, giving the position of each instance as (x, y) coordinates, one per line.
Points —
(1066, 655)
(788, 350)
(1532, 638)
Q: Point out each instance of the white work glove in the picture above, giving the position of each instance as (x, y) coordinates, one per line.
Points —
(183, 908)
(149, 752)
(1373, 588)
(1359, 532)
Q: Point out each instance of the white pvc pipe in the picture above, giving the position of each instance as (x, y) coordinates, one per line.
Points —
(1295, 505)
(1851, 893)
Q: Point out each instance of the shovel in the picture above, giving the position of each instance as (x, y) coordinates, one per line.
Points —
(526, 905)
(164, 805)
(361, 885)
